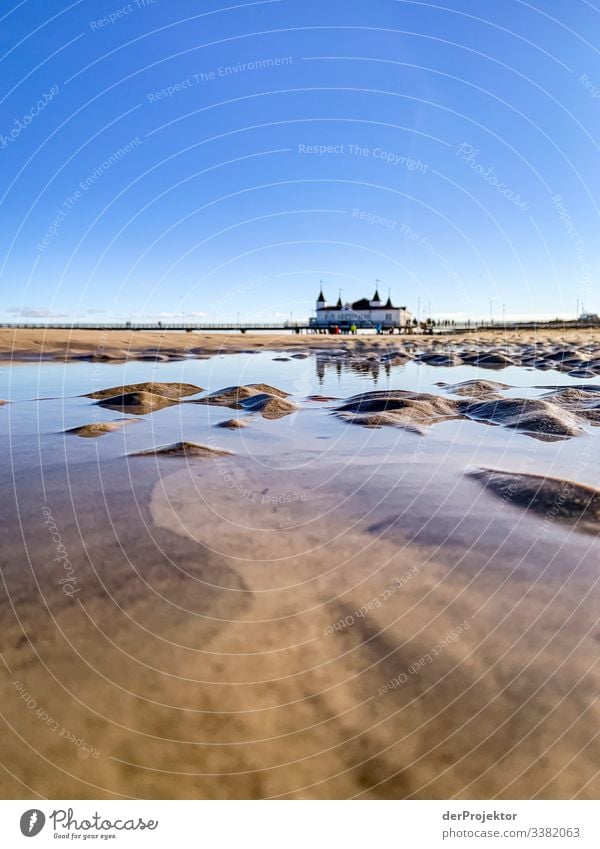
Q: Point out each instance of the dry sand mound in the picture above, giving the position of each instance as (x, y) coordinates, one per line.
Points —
(410, 410)
(574, 396)
(166, 390)
(475, 388)
(137, 403)
(580, 387)
(232, 396)
(409, 420)
(437, 359)
(538, 418)
(234, 424)
(396, 399)
(264, 387)
(591, 414)
(532, 416)
(568, 356)
(549, 427)
(269, 406)
(494, 359)
(182, 449)
(580, 401)
(96, 429)
(554, 498)
(575, 362)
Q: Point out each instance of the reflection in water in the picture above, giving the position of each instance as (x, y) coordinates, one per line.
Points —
(350, 363)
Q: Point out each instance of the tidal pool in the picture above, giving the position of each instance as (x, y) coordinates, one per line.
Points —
(328, 611)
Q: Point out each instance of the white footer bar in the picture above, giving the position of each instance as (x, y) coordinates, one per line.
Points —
(302, 824)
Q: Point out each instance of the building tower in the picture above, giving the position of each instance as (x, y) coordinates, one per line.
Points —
(376, 300)
(321, 299)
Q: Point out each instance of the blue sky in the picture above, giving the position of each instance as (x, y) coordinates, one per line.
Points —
(207, 159)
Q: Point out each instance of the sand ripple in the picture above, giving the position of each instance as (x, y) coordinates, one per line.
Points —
(166, 390)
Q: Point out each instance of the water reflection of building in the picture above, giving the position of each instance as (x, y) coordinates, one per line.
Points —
(355, 364)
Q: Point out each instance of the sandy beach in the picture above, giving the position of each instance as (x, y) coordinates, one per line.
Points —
(319, 567)
(117, 345)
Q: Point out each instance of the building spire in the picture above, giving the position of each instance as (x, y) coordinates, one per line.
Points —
(321, 298)
(376, 295)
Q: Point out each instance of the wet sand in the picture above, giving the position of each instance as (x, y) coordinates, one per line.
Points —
(357, 617)
(322, 663)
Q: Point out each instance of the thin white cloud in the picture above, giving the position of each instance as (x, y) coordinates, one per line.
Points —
(34, 312)
(176, 316)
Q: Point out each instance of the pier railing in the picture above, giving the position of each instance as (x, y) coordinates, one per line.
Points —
(300, 326)
(157, 325)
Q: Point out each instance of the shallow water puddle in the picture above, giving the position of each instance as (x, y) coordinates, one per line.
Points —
(258, 622)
